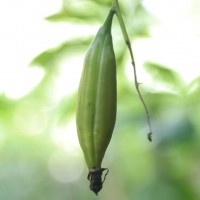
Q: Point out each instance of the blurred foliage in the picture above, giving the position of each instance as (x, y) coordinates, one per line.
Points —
(51, 57)
(30, 167)
(164, 75)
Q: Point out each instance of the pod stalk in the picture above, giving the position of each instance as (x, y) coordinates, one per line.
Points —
(116, 9)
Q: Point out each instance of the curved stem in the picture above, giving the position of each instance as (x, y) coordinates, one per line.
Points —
(116, 9)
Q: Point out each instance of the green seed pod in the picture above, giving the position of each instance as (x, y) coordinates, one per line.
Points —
(96, 103)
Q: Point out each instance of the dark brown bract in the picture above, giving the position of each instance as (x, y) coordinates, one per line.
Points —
(95, 178)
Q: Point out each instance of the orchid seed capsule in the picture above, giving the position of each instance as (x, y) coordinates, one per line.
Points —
(96, 102)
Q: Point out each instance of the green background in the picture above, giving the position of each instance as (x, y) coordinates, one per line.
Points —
(39, 154)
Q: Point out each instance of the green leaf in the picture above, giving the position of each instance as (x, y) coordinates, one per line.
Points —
(63, 16)
(193, 94)
(164, 75)
(50, 57)
(7, 107)
(66, 108)
(160, 101)
(84, 11)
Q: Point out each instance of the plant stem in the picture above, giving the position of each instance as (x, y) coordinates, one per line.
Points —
(116, 9)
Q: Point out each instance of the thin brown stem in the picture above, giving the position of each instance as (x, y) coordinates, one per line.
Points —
(138, 90)
(115, 7)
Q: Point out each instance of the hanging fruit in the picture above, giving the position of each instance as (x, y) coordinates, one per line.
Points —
(96, 103)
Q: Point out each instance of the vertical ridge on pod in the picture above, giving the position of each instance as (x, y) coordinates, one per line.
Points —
(96, 102)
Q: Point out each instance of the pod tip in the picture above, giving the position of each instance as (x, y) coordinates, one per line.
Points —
(149, 136)
(94, 176)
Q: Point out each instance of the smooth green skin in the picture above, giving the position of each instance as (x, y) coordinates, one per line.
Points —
(96, 103)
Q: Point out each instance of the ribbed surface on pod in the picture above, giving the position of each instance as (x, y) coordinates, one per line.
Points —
(96, 103)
